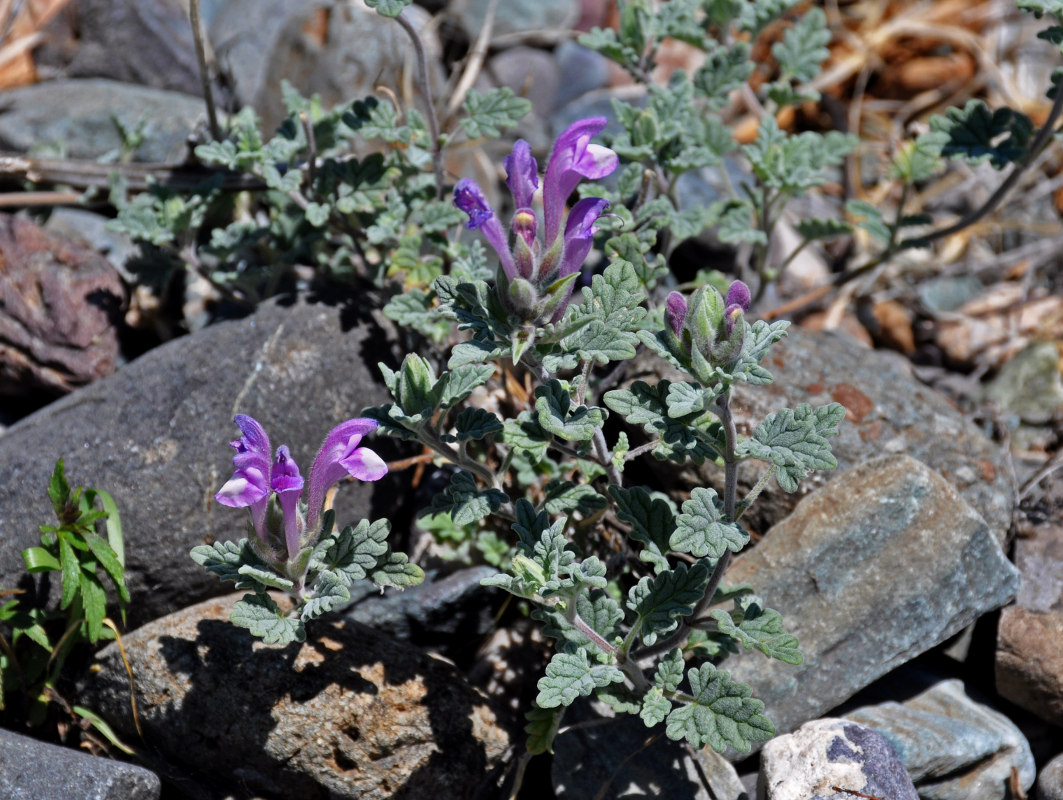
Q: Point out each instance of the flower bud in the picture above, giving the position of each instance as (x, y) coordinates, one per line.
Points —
(705, 318)
(416, 380)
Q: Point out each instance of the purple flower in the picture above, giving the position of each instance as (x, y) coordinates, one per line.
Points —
(676, 312)
(544, 254)
(256, 480)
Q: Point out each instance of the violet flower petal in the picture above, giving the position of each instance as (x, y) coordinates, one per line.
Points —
(250, 483)
(522, 173)
(469, 197)
(676, 312)
(288, 484)
(573, 158)
(579, 233)
(340, 447)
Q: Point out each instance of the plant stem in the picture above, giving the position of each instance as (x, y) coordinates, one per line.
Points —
(204, 73)
(426, 96)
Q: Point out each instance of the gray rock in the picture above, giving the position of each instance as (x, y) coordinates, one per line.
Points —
(90, 227)
(445, 613)
(34, 770)
(86, 127)
(832, 759)
(155, 435)
(582, 71)
(515, 17)
(880, 565)
(1050, 781)
(621, 758)
(340, 51)
(350, 713)
(60, 304)
(1029, 385)
(148, 43)
(953, 747)
(887, 411)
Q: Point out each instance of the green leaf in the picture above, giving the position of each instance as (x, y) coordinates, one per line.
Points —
(261, 615)
(329, 591)
(686, 399)
(266, 577)
(542, 728)
(975, 134)
(555, 414)
(701, 529)
(1040, 7)
(655, 707)
(113, 525)
(803, 47)
(58, 489)
(669, 672)
(224, 559)
(71, 568)
(794, 440)
(755, 16)
(388, 8)
(457, 384)
(919, 160)
(652, 522)
(525, 435)
(724, 70)
(105, 730)
(473, 423)
(108, 559)
(93, 602)
(561, 496)
(736, 223)
(396, 571)
(466, 501)
(760, 628)
(795, 163)
(721, 713)
(813, 229)
(600, 611)
(659, 602)
(40, 560)
(492, 112)
(646, 405)
(353, 552)
(571, 675)
(869, 217)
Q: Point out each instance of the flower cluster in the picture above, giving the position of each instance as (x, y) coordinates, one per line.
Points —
(537, 272)
(709, 331)
(273, 489)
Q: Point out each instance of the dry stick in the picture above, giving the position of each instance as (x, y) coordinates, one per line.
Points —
(426, 96)
(475, 62)
(204, 74)
(990, 205)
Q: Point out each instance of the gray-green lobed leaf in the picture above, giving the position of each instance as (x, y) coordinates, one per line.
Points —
(722, 714)
(553, 407)
(652, 522)
(466, 501)
(261, 615)
(571, 675)
(701, 529)
(760, 628)
(659, 602)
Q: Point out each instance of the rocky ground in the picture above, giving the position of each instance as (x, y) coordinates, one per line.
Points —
(924, 578)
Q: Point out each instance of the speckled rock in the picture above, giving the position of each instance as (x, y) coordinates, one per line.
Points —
(350, 713)
(953, 747)
(1050, 780)
(832, 759)
(35, 770)
(873, 569)
(887, 411)
(60, 303)
(155, 435)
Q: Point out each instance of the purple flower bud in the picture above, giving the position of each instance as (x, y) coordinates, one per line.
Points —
(470, 198)
(522, 173)
(731, 315)
(676, 312)
(738, 295)
(250, 483)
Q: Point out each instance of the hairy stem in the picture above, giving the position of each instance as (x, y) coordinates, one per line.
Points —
(426, 96)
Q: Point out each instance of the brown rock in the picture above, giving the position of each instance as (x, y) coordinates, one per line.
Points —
(58, 303)
(1029, 665)
(350, 713)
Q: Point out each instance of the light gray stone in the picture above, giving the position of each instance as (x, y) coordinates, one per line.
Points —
(880, 565)
(515, 16)
(34, 770)
(350, 713)
(953, 747)
(86, 127)
(832, 759)
(1050, 781)
(155, 435)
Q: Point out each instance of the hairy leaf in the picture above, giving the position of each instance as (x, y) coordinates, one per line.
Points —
(388, 8)
(473, 423)
(722, 714)
(975, 134)
(492, 112)
(701, 529)
(261, 615)
(803, 47)
(659, 602)
(794, 440)
(542, 728)
(561, 496)
(555, 414)
(652, 522)
(329, 591)
(761, 629)
(466, 501)
(655, 707)
(571, 675)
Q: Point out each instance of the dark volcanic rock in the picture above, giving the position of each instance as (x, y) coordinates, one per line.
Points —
(59, 303)
(350, 713)
(155, 435)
